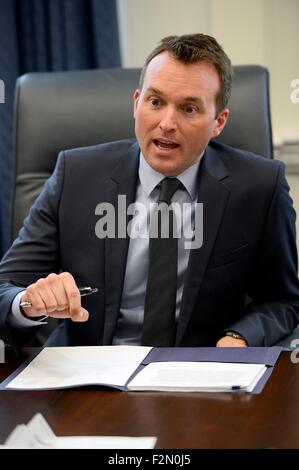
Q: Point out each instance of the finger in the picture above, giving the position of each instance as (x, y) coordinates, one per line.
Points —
(77, 312)
(60, 315)
(56, 292)
(48, 297)
(81, 316)
(38, 306)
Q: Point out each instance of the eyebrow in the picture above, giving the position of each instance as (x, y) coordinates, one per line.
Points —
(194, 99)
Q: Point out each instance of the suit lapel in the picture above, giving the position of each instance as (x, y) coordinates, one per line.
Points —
(214, 195)
(122, 182)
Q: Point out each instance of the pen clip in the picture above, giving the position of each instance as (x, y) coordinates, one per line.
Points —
(87, 290)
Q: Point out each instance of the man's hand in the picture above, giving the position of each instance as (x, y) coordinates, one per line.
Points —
(56, 296)
(229, 342)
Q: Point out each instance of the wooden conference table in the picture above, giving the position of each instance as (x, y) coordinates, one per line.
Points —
(179, 420)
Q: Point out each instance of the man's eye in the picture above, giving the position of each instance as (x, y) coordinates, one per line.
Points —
(190, 109)
(154, 102)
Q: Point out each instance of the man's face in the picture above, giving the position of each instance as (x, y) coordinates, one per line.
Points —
(175, 113)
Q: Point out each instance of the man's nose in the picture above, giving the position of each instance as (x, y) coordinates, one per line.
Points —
(168, 122)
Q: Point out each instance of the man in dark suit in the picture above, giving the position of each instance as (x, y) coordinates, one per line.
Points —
(238, 288)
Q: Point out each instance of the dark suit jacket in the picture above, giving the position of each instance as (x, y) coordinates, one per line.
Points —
(244, 277)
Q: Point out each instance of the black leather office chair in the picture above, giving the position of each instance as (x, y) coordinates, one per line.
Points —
(55, 111)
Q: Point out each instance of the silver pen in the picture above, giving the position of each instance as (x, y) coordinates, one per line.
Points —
(83, 292)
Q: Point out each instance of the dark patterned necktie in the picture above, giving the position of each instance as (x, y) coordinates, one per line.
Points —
(160, 297)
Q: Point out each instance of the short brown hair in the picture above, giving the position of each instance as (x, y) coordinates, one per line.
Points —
(193, 48)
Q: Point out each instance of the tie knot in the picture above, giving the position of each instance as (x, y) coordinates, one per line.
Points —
(168, 187)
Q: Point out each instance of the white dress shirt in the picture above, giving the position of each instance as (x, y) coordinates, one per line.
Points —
(129, 325)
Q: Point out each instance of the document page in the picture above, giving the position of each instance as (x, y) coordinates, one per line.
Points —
(60, 367)
(198, 376)
(37, 434)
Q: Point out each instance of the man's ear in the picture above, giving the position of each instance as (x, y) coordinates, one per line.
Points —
(136, 97)
(221, 120)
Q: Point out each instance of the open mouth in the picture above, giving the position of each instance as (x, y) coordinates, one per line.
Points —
(165, 144)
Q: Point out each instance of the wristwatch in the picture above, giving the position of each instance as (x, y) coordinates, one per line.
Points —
(235, 335)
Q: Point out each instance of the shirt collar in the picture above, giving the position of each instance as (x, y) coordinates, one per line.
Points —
(150, 178)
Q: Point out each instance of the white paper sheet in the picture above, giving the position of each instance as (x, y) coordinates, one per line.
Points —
(37, 434)
(198, 376)
(60, 367)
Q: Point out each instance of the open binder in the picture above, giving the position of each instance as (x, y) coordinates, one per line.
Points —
(116, 366)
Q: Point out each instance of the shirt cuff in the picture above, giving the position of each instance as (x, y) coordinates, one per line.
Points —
(17, 319)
